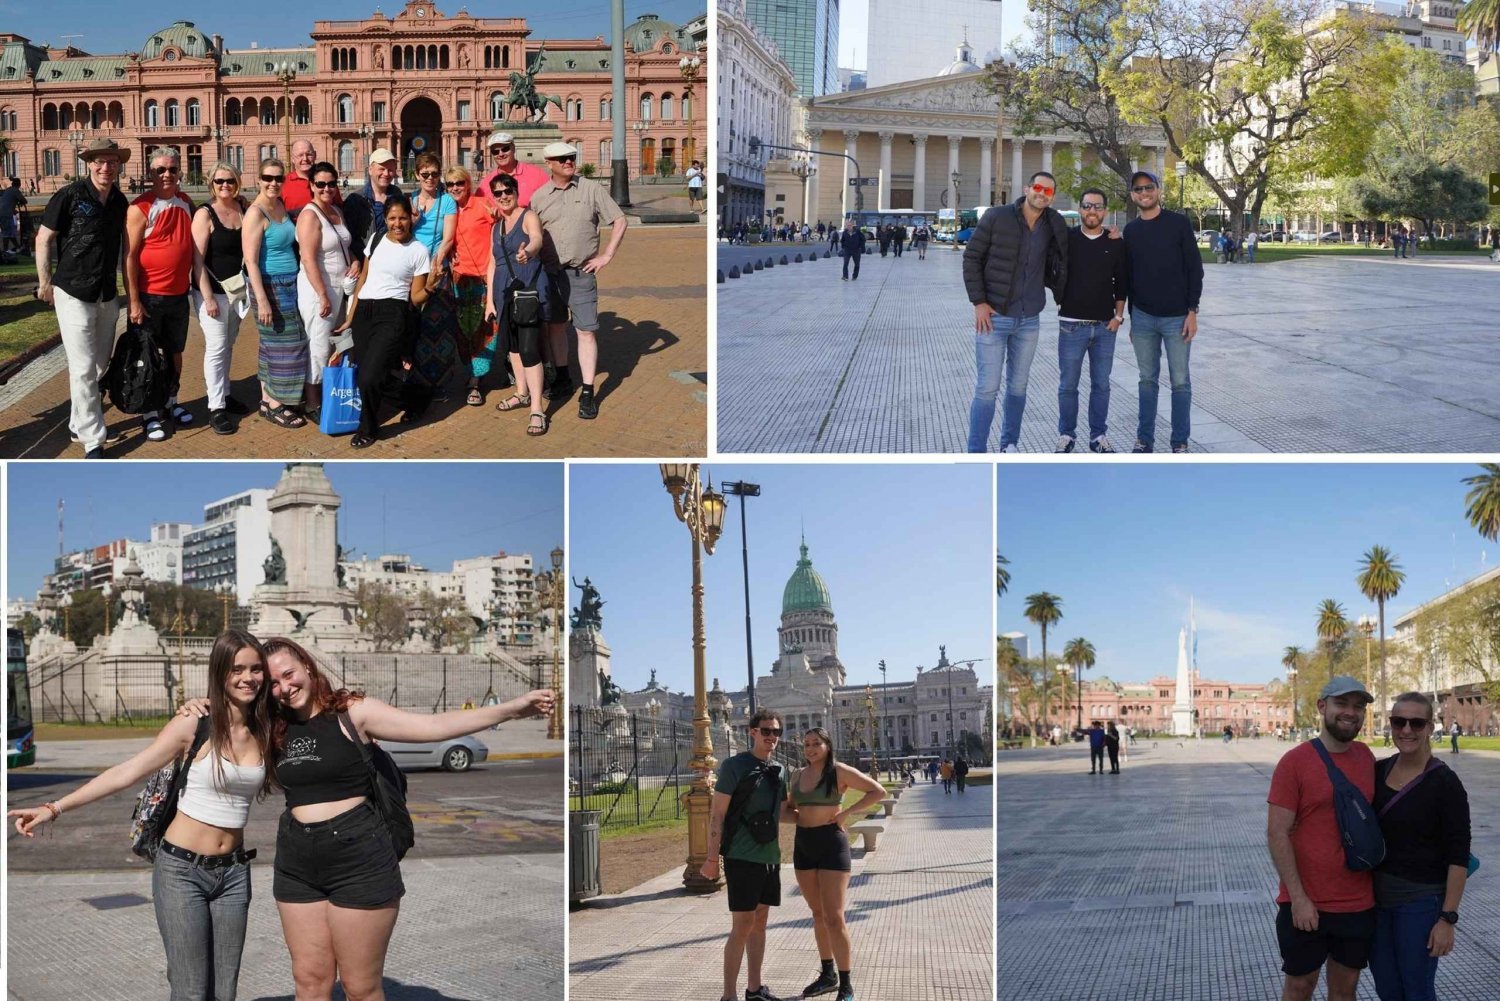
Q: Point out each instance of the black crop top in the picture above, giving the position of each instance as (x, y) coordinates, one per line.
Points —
(320, 764)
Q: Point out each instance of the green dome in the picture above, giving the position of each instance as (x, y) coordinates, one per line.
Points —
(805, 589)
(182, 35)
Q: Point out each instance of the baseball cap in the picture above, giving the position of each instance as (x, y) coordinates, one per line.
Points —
(1147, 175)
(381, 155)
(500, 137)
(1344, 684)
(555, 150)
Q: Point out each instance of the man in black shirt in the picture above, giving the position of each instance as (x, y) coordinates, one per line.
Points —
(851, 244)
(11, 200)
(1091, 311)
(87, 221)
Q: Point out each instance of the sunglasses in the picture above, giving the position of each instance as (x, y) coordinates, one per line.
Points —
(320, 185)
(1402, 722)
(1091, 207)
(502, 193)
(769, 731)
(455, 184)
(272, 178)
(1143, 188)
(563, 159)
(225, 180)
(1042, 189)
(503, 148)
(163, 171)
(428, 175)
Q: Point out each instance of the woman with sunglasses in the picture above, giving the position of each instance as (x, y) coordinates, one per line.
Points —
(516, 263)
(270, 239)
(471, 266)
(218, 253)
(328, 270)
(1424, 815)
(434, 225)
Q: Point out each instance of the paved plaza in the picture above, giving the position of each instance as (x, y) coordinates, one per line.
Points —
(918, 912)
(1155, 885)
(1334, 354)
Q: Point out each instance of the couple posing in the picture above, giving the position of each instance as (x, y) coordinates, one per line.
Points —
(275, 724)
(751, 801)
(1399, 919)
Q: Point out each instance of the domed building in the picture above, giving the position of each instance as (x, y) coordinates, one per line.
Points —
(808, 629)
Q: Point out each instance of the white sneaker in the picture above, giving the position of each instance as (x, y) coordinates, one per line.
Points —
(1065, 443)
(1010, 448)
(1101, 444)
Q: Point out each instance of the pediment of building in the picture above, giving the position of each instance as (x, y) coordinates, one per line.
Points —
(934, 94)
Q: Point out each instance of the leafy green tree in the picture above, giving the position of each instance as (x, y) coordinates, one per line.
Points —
(200, 611)
(1379, 579)
(449, 621)
(381, 613)
(1426, 191)
(1483, 500)
(1044, 609)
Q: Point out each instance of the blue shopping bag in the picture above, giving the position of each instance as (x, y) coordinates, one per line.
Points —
(340, 414)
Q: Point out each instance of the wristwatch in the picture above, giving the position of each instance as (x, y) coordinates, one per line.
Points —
(1449, 916)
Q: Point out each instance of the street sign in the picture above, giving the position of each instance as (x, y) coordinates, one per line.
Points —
(864, 182)
(1495, 189)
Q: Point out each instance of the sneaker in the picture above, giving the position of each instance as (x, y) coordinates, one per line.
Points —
(220, 421)
(560, 388)
(846, 992)
(588, 407)
(1140, 447)
(1065, 443)
(761, 993)
(1010, 449)
(1101, 444)
(97, 452)
(826, 983)
(1181, 448)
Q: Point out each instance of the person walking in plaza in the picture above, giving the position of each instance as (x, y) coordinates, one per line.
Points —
(515, 263)
(571, 210)
(1166, 282)
(1326, 915)
(219, 254)
(932, 772)
(835, 235)
(364, 212)
(851, 244)
(695, 187)
(821, 855)
(900, 238)
(1112, 747)
(12, 204)
(86, 221)
(473, 227)
(200, 881)
(1424, 817)
(530, 178)
(1089, 315)
(1095, 735)
(159, 238)
(946, 771)
(1017, 252)
(436, 361)
(1252, 240)
(269, 240)
(920, 239)
(960, 772)
(744, 826)
(298, 189)
(1454, 732)
(327, 275)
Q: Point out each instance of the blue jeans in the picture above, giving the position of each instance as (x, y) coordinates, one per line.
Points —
(1149, 335)
(201, 914)
(1398, 960)
(1074, 341)
(1007, 349)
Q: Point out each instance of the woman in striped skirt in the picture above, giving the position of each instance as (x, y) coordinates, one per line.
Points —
(271, 263)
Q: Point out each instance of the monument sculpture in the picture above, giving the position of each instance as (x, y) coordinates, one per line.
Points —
(589, 678)
(275, 565)
(523, 94)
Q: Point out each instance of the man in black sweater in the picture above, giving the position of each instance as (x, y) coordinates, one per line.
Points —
(1166, 282)
(851, 246)
(1091, 311)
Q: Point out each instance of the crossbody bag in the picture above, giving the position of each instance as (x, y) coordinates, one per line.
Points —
(525, 300)
(348, 282)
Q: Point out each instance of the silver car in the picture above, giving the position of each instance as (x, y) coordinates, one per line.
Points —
(455, 755)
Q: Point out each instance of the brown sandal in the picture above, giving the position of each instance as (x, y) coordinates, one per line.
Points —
(537, 430)
(515, 402)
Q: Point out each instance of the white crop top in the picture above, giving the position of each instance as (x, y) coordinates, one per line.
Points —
(228, 805)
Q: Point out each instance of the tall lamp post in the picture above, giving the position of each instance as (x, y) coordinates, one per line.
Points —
(367, 133)
(226, 590)
(884, 698)
(689, 66)
(1291, 675)
(870, 718)
(286, 73)
(701, 509)
(741, 489)
(554, 595)
(107, 592)
(220, 134)
(67, 606)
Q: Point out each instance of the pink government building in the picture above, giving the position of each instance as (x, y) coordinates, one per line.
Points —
(1248, 708)
(418, 81)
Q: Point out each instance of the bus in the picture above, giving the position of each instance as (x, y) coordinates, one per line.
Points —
(20, 741)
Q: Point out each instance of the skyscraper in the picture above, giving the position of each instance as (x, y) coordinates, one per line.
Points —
(806, 33)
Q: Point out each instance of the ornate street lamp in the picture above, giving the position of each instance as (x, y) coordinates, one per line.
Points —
(870, 719)
(108, 593)
(220, 134)
(226, 590)
(66, 601)
(1291, 675)
(689, 66)
(639, 127)
(555, 604)
(286, 73)
(1182, 169)
(701, 509)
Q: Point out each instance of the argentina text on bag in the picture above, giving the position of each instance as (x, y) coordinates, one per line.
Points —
(156, 804)
(387, 789)
(1359, 827)
(341, 402)
(138, 376)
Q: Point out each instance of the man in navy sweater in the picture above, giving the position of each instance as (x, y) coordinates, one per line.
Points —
(1166, 282)
(1088, 315)
(851, 246)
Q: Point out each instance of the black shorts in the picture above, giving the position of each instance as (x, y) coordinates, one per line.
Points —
(1343, 937)
(825, 847)
(167, 320)
(346, 861)
(752, 884)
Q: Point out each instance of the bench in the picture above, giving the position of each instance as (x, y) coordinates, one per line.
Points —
(1011, 745)
(889, 804)
(869, 831)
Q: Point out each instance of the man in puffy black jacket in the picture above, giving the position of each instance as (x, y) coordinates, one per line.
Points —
(851, 246)
(1017, 252)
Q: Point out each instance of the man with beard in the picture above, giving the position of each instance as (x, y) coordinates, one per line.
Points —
(1327, 911)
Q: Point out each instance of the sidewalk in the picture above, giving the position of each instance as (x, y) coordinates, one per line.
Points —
(1333, 355)
(918, 913)
(1155, 885)
(652, 386)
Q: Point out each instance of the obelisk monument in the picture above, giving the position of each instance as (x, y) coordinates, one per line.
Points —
(1183, 724)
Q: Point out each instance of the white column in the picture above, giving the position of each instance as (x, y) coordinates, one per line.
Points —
(811, 208)
(1017, 182)
(953, 142)
(986, 171)
(851, 148)
(1047, 145)
(885, 170)
(919, 175)
(1161, 163)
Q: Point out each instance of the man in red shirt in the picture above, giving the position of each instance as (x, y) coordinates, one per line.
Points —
(297, 191)
(529, 177)
(159, 240)
(1327, 911)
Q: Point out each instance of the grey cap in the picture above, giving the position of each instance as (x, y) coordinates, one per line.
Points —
(1344, 684)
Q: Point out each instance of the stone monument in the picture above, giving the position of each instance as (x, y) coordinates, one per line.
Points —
(589, 677)
(1184, 722)
(49, 640)
(133, 634)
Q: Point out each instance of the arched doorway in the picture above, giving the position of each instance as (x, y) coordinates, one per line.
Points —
(421, 132)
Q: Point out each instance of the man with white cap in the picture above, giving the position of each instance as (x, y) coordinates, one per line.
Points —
(529, 177)
(571, 210)
(365, 212)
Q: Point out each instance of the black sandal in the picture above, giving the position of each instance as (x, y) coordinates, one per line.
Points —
(361, 441)
(282, 416)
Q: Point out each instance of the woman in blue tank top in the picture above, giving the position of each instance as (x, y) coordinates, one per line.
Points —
(271, 264)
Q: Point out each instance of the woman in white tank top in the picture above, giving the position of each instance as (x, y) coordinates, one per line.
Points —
(326, 260)
(201, 880)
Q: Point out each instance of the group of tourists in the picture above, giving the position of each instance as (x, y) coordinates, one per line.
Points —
(1019, 251)
(1104, 740)
(273, 722)
(460, 283)
(852, 243)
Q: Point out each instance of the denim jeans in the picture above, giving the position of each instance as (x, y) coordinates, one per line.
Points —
(1149, 335)
(1074, 341)
(851, 257)
(201, 914)
(1398, 960)
(1007, 349)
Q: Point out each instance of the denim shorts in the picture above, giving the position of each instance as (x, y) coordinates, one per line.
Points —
(347, 861)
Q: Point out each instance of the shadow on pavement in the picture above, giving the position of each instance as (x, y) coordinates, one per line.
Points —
(26, 781)
(394, 991)
(622, 345)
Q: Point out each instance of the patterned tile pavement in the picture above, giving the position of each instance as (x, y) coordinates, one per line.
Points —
(1155, 885)
(919, 915)
(1323, 355)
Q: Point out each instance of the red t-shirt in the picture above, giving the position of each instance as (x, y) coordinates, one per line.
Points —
(297, 192)
(1301, 784)
(529, 180)
(167, 253)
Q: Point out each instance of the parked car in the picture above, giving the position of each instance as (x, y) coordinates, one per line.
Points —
(943, 236)
(1332, 236)
(1304, 236)
(454, 755)
(1273, 236)
(1207, 237)
(963, 235)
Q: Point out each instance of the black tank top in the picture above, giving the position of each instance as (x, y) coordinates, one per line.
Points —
(320, 764)
(226, 254)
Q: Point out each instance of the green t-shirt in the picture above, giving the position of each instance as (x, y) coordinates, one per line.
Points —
(767, 796)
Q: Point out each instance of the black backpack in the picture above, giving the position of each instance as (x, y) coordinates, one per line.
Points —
(138, 374)
(763, 825)
(156, 805)
(387, 789)
(1359, 827)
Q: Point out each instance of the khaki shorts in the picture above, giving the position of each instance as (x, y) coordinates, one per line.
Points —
(573, 292)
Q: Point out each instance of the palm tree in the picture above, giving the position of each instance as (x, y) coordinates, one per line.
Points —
(1333, 626)
(1291, 659)
(1481, 18)
(1043, 610)
(1002, 575)
(1080, 654)
(1484, 496)
(1379, 580)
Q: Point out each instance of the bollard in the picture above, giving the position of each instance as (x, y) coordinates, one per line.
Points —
(825, 255)
(759, 266)
(770, 263)
(813, 258)
(783, 259)
(797, 261)
(734, 271)
(721, 276)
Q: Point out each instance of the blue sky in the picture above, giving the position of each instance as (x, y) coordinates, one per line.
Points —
(109, 27)
(854, 28)
(436, 512)
(1257, 545)
(904, 549)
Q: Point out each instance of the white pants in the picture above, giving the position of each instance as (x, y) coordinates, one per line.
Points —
(218, 348)
(319, 328)
(88, 337)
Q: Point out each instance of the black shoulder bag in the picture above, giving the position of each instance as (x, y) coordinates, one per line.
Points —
(387, 789)
(525, 301)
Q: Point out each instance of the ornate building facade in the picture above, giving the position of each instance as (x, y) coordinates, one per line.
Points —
(417, 81)
(1248, 708)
